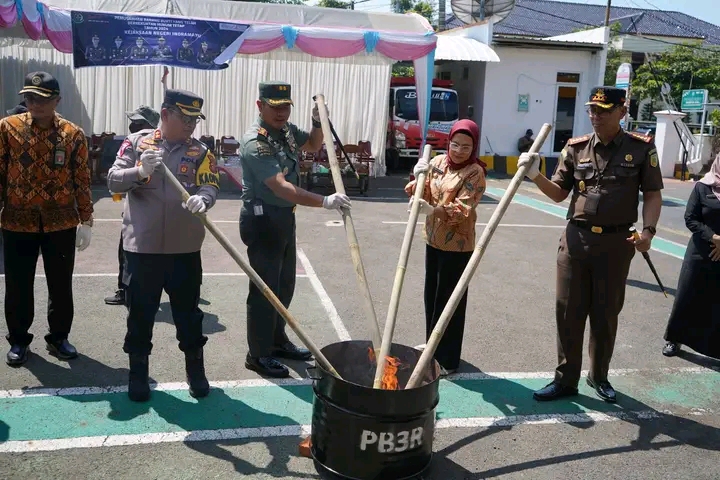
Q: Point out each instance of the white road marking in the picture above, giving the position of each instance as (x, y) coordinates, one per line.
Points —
(205, 274)
(118, 220)
(258, 382)
(520, 225)
(325, 300)
(25, 446)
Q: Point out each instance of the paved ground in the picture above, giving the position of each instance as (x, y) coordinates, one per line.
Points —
(666, 422)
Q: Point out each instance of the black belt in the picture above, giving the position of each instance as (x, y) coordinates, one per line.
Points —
(601, 229)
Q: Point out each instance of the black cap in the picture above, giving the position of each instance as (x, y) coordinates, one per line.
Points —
(607, 97)
(19, 108)
(41, 83)
(275, 93)
(187, 102)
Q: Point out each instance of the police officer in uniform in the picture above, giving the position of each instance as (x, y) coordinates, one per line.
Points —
(117, 53)
(205, 56)
(139, 51)
(96, 53)
(161, 236)
(162, 51)
(604, 171)
(270, 151)
(185, 53)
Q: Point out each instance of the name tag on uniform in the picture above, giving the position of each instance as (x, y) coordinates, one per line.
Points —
(437, 170)
(59, 157)
(258, 210)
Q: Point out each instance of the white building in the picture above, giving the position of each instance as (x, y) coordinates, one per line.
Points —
(536, 81)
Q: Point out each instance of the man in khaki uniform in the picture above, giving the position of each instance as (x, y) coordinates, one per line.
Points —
(604, 171)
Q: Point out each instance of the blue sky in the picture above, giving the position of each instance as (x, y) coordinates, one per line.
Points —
(704, 9)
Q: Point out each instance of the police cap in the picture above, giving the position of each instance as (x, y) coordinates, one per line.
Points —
(41, 83)
(144, 114)
(187, 102)
(275, 93)
(607, 97)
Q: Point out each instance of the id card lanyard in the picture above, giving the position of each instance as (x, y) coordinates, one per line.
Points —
(601, 173)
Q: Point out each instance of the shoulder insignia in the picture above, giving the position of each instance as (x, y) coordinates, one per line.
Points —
(640, 136)
(653, 158)
(264, 148)
(576, 140)
(262, 132)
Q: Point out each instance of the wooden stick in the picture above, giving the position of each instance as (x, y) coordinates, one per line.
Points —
(235, 254)
(400, 274)
(462, 284)
(349, 226)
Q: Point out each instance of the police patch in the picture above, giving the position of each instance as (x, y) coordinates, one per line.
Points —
(123, 148)
(654, 158)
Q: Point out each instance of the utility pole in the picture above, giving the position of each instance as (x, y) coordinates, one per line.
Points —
(441, 15)
(607, 14)
(353, 2)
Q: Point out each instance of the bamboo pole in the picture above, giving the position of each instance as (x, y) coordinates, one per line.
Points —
(349, 226)
(462, 284)
(400, 274)
(235, 254)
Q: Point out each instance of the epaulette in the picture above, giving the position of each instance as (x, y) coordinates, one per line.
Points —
(577, 140)
(262, 132)
(640, 136)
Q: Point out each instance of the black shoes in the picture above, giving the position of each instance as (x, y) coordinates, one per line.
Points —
(195, 370)
(671, 349)
(603, 390)
(554, 391)
(117, 299)
(267, 366)
(292, 352)
(139, 377)
(17, 355)
(138, 380)
(62, 350)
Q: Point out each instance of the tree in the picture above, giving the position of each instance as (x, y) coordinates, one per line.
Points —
(682, 67)
(334, 4)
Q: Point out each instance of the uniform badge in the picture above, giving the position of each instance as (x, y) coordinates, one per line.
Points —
(581, 186)
(584, 160)
(183, 168)
(628, 158)
(654, 159)
(36, 80)
(192, 152)
(263, 132)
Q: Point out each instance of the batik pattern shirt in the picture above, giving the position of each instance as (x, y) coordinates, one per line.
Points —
(44, 175)
(458, 192)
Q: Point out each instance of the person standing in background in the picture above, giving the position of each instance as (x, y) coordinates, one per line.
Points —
(143, 119)
(695, 317)
(48, 209)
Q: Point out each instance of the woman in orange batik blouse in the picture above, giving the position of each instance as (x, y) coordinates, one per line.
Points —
(454, 186)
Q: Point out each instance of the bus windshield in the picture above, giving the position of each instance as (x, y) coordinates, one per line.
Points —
(443, 107)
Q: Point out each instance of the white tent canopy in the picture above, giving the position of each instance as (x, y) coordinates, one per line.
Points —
(356, 87)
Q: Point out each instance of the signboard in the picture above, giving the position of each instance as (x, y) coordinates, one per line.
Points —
(103, 39)
(523, 103)
(622, 79)
(693, 100)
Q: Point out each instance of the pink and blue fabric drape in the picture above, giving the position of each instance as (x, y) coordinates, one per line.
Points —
(39, 19)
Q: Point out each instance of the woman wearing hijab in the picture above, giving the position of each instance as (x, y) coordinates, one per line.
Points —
(695, 317)
(454, 185)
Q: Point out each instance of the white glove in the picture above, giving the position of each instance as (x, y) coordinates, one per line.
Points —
(316, 112)
(532, 159)
(336, 201)
(195, 204)
(420, 167)
(149, 160)
(82, 237)
(425, 208)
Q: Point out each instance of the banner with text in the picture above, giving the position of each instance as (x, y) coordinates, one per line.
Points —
(103, 39)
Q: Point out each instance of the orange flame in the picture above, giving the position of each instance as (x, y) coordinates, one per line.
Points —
(389, 379)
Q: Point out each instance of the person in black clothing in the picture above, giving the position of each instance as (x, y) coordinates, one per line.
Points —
(695, 317)
(143, 118)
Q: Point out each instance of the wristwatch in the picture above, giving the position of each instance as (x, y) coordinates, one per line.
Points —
(650, 229)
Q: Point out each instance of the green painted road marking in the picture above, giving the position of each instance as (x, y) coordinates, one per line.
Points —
(659, 244)
(35, 418)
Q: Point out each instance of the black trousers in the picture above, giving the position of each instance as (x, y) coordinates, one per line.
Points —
(146, 275)
(442, 273)
(121, 263)
(271, 248)
(21, 252)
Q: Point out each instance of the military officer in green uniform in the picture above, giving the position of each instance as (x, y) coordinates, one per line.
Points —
(604, 171)
(270, 152)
